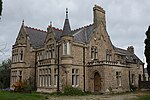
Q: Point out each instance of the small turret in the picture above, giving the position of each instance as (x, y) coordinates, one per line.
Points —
(66, 28)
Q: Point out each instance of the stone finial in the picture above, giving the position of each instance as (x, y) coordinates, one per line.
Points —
(50, 23)
(66, 13)
(22, 22)
(49, 28)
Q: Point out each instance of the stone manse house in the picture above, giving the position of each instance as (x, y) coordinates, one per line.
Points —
(84, 58)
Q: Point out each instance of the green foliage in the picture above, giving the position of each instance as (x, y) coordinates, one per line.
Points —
(6, 95)
(28, 88)
(146, 97)
(73, 91)
(1, 7)
(147, 50)
(22, 87)
(70, 91)
(5, 73)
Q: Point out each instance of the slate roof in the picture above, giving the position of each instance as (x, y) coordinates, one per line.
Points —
(37, 37)
(81, 35)
(130, 57)
(66, 28)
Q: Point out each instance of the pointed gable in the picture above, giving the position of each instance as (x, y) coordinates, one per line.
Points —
(22, 36)
(50, 35)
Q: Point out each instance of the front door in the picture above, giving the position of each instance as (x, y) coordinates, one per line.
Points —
(97, 82)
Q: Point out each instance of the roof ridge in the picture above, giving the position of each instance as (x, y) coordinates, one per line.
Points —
(82, 27)
(57, 29)
(121, 48)
(35, 28)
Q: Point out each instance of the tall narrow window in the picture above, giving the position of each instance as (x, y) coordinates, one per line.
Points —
(64, 48)
(55, 77)
(68, 48)
(53, 53)
(96, 53)
(75, 77)
(92, 53)
(21, 55)
(49, 77)
(132, 79)
(40, 77)
(118, 77)
(20, 76)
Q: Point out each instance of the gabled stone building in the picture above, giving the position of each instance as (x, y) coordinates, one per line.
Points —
(84, 58)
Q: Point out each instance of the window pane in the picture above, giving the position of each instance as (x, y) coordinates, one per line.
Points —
(77, 71)
(68, 48)
(73, 80)
(77, 80)
(55, 80)
(73, 71)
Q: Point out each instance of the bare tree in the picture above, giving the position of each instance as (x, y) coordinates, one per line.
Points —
(1, 7)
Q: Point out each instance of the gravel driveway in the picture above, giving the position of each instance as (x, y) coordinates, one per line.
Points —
(128, 96)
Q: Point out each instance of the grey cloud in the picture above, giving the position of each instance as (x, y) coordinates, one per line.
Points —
(127, 20)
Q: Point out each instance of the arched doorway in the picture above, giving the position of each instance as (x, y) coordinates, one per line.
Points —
(97, 82)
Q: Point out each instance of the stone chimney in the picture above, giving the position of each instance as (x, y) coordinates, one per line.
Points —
(130, 49)
(99, 15)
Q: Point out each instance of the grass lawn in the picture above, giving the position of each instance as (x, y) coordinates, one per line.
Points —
(146, 97)
(139, 95)
(6, 95)
(143, 95)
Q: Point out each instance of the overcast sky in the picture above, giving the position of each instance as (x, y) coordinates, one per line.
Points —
(127, 20)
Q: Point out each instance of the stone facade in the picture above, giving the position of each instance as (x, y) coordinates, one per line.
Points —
(84, 58)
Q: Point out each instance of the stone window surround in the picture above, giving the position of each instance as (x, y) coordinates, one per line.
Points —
(75, 77)
(66, 47)
(108, 55)
(45, 77)
(94, 53)
(17, 55)
(16, 75)
(50, 51)
(118, 78)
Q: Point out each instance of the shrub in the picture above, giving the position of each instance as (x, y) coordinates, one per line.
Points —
(18, 86)
(22, 87)
(73, 91)
(133, 87)
(28, 88)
